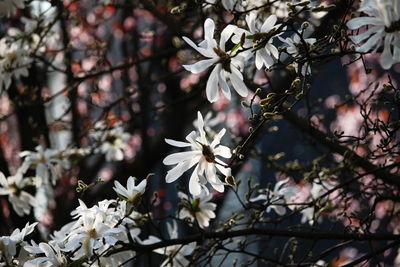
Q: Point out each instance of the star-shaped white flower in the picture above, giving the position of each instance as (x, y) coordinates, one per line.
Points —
(198, 207)
(384, 27)
(226, 66)
(13, 187)
(132, 192)
(203, 155)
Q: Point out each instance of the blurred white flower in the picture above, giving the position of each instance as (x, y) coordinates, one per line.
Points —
(132, 192)
(198, 207)
(9, 7)
(203, 155)
(14, 62)
(8, 244)
(46, 163)
(384, 29)
(13, 186)
(296, 46)
(176, 253)
(209, 123)
(53, 256)
(112, 141)
(226, 66)
(278, 197)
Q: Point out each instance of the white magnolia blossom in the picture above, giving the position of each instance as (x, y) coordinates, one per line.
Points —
(14, 62)
(46, 162)
(176, 253)
(203, 155)
(113, 141)
(94, 233)
(198, 207)
(268, 54)
(53, 256)
(384, 28)
(13, 187)
(132, 192)
(9, 7)
(278, 197)
(8, 244)
(226, 65)
(296, 46)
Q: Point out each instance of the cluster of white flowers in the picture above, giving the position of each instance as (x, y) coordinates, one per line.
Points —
(383, 18)
(94, 231)
(112, 140)
(18, 47)
(257, 42)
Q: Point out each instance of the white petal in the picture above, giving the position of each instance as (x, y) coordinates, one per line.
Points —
(224, 86)
(177, 143)
(209, 28)
(179, 157)
(225, 35)
(361, 21)
(178, 170)
(217, 138)
(386, 58)
(212, 84)
(200, 66)
(237, 82)
(269, 23)
(367, 46)
(194, 185)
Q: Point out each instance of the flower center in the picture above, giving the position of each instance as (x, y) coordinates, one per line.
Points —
(208, 153)
(394, 27)
(92, 233)
(225, 59)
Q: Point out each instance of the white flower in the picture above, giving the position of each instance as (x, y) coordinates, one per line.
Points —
(226, 66)
(278, 197)
(9, 7)
(52, 252)
(8, 244)
(199, 208)
(384, 27)
(46, 162)
(93, 234)
(296, 46)
(132, 192)
(268, 54)
(113, 141)
(13, 187)
(176, 253)
(14, 62)
(202, 155)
